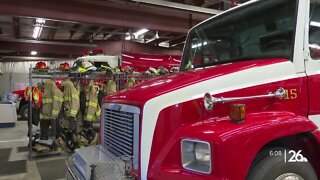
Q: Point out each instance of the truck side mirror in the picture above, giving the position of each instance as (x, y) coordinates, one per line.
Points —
(315, 51)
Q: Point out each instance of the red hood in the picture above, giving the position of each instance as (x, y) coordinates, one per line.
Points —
(153, 88)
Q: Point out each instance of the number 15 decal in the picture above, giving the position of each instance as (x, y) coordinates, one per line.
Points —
(291, 94)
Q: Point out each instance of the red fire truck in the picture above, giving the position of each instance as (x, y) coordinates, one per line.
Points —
(244, 106)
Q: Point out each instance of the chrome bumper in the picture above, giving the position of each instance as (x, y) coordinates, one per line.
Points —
(72, 171)
(95, 163)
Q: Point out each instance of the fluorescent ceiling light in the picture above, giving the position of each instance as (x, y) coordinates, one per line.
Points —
(37, 32)
(38, 28)
(128, 37)
(164, 44)
(199, 45)
(314, 23)
(33, 53)
(40, 21)
(140, 32)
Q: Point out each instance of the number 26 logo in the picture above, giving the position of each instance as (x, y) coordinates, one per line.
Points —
(291, 94)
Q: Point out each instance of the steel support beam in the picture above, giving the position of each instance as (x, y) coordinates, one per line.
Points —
(131, 15)
(48, 42)
(16, 27)
(53, 31)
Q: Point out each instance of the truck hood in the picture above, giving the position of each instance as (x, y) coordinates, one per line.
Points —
(159, 86)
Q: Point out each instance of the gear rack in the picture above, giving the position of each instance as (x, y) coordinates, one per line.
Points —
(120, 78)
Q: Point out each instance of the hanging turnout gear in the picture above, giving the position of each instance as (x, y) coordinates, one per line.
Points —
(110, 87)
(36, 96)
(71, 98)
(92, 110)
(51, 101)
(130, 83)
(26, 93)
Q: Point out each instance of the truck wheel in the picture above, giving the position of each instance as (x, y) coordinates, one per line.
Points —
(24, 112)
(275, 168)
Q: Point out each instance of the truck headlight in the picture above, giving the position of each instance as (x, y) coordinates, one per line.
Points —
(196, 155)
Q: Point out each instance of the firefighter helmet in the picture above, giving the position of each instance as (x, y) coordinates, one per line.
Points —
(128, 70)
(174, 69)
(42, 66)
(64, 66)
(152, 71)
(83, 66)
(163, 71)
(106, 68)
(88, 66)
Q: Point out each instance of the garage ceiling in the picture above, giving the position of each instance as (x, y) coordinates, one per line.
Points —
(85, 22)
(18, 27)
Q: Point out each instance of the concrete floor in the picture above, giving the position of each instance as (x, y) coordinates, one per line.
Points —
(16, 138)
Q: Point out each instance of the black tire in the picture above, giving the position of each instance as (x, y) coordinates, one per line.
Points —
(24, 112)
(272, 167)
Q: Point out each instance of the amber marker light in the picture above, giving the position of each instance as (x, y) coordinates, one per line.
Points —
(237, 112)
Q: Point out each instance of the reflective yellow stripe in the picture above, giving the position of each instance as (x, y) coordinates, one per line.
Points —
(75, 96)
(98, 113)
(42, 116)
(67, 98)
(58, 98)
(93, 104)
(73, 112)
(55, 112)
(90, 117)
(46, 100)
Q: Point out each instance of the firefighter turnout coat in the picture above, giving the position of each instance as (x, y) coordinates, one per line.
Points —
(51, 101)
(110, 87)
(92, 111)
(71, 98)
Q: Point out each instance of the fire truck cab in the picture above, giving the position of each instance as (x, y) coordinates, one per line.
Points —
(245, 105)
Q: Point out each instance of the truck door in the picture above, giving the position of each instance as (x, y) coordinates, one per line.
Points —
(313, 61)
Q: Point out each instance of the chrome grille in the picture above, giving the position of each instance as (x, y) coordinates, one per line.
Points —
(121, 130)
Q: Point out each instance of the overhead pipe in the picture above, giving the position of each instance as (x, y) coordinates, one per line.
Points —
(180, 6)
(48, 42)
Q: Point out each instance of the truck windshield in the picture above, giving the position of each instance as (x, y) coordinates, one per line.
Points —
(264, 29)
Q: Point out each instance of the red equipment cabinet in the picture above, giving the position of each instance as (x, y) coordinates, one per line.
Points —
(256, 55)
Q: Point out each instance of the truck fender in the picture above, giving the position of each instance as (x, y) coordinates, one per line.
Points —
(258, 130)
